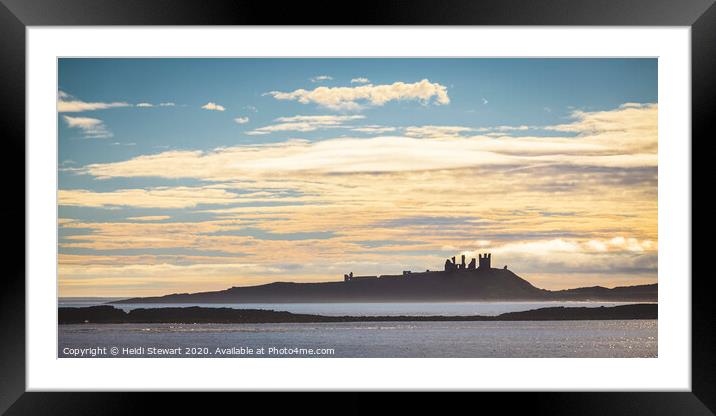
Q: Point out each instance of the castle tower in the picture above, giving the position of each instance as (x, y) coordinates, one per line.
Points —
(484, 261)
(463, 262)
(449, 267)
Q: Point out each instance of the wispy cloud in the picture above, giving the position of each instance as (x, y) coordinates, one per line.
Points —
(320, 78)
(160, 197)
(373, 129)
(213, 107)
(66, 103)
(436, 131)
(305, 123)
(360, 80)
(150, 105)
(92, 128)
(150, 218)
(241, 120)
(353, 98)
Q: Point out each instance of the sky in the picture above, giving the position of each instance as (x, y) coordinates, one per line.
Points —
(187, 175)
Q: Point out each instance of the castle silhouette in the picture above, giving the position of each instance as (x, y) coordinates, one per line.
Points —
(483, 262)
(462, 282)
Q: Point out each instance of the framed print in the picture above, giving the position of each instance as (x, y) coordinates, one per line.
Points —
(424, 198)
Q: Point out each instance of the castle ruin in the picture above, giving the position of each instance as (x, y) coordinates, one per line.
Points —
(483, 262)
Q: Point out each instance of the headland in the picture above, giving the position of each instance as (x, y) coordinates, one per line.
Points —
(456, 282)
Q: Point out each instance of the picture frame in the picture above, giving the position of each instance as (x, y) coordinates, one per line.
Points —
(17, 15)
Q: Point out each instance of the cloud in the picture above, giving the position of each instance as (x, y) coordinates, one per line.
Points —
(241, 120)
(320, 78)
(505, 128)
(581, 201)
(630, 127)
(92, 128)
(606, 255)
(68, 104)
(352, 98)
(150, 105)
(484, 101)
(213, 107)
(360, 80)
(160, 197)
(305, 123)
(629, 147)
(436, 131)
(150, 218)
(374, 129)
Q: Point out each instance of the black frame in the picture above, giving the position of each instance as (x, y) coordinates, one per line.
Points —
(15, 15)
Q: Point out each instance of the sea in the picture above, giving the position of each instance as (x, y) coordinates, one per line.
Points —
(405, 339)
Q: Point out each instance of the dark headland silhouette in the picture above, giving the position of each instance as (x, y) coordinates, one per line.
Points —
(456, 282)
(105, 314)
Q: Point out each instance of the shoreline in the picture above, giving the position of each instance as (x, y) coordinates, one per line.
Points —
(107, 314)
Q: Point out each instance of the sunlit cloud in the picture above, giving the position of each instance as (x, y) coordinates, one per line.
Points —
(213, 107)
(92, 128)
(625, 148)
(360, 80)
(305, 123)
(150, 218)
(581, 201)
(160, 197)
(353, 98)
(436, 131)
(241, 120)
(68, 104)
(613, 255)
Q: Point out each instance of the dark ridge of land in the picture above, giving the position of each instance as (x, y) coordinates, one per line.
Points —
(458, 286)
(105, 314)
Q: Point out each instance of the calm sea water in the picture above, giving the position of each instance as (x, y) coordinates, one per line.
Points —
(358, 309)
(612, 339)
(630, 338)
